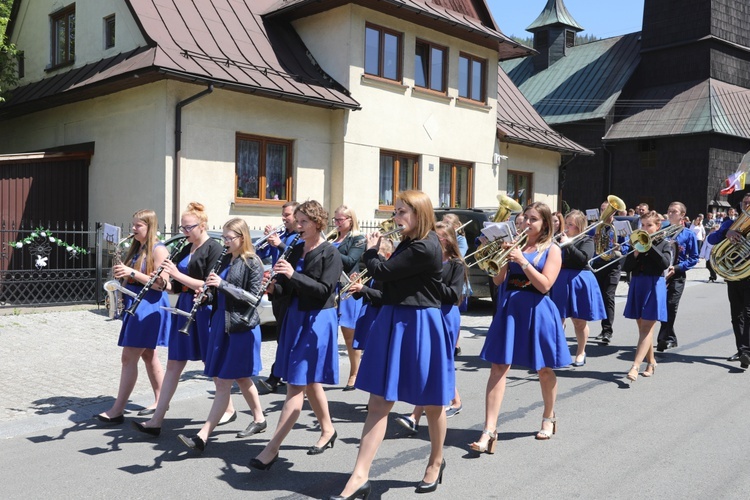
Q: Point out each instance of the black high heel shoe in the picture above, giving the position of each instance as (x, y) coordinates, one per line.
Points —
(151, 431)
(423, 487)
(257, 464)
(314, 450)
(194, 443)
(363, 491)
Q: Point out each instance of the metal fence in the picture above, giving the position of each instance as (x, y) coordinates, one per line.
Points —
(56, 264)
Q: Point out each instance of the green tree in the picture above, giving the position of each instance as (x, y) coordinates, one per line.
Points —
(8, 52)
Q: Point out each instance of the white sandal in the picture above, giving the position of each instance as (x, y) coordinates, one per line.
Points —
(544, 434)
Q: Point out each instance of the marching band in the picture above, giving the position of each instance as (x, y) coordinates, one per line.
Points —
(398, 310)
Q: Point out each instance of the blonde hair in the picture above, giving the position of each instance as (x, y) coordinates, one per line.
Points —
(421, 204)
(198, 211)
(344, 210)
(578, 218)
(239, 227)
(148, 217)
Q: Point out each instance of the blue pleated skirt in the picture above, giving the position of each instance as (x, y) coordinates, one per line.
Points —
(576, 295)
(231, 355)
(150, 325)
(408, 356)
(526, 331)
(647, 298)
(308, 350)
(452, 317)
(349, 310)
(367, 316)
(189, 347)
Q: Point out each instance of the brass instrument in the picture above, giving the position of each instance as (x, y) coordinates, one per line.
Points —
(199, 299)
(731, 260)
(332, 234)
(641, 242)
(113, 287)
(263, 242)
(137, 301)
(389, 229)
(601, 236)
(359, 279)
(493, 262)
(507, 205)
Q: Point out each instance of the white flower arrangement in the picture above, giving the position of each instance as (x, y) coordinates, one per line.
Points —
(39, 236)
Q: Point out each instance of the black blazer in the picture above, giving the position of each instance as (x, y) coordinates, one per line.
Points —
(577, 255)
(316, 284)
(201, 263)
(412, 276)
(652, 263)
(351, 249)
(372, 293)
(452, 281)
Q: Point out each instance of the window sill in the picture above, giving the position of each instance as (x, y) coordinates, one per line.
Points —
(254, 206)
(430, 94)
(59, 66)
(384, 212)
(383, 83)
(471, 104)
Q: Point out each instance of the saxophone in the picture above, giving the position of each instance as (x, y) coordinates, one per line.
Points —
(113, 302)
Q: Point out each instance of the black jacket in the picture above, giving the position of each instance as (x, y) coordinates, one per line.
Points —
(315, 286)
(351, 249)
(452, 281)
(371, 294)
(201, 263)
(652, 263)
(412, 275)
(577, 255)
(241, 288)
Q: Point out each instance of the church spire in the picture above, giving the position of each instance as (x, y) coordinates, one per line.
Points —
(554, 14)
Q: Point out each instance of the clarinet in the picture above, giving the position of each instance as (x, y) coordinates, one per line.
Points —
(245, 318)
(204, 290)
(147, 286)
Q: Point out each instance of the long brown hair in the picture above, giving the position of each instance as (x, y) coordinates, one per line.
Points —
(446, 230)
(545, 236)
(148, 217)
(422, 206)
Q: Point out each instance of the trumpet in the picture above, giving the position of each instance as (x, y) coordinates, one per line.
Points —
(152, 280)
(359, 279)
(263, 242)
(642, 242)
(496, 257)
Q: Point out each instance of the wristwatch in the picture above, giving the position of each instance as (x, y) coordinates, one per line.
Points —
(132, 274)
(524, 266)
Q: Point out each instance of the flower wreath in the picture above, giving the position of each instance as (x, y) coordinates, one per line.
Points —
(39, 242)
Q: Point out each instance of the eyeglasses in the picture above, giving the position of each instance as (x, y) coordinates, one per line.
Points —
(227, 239)
(187, 229)
(341, 219)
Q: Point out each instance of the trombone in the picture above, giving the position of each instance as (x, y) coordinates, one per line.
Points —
(641, 242)
(614, 204)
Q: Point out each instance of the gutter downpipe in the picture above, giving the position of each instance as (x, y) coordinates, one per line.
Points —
(178, 148)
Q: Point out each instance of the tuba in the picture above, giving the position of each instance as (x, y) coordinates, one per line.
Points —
(489, 256)
(601, 236)
(507, 205)
(731, 260)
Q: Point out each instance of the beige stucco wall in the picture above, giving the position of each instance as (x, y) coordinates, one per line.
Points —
(398, 118)
(32, 33)
(541, 163)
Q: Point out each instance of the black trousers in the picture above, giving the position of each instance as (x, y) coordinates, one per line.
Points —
(739, 306)
(711, 272)
(675, 287)
(608, 280)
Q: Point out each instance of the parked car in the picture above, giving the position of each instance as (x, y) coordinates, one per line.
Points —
(481, 284)
(264, 310)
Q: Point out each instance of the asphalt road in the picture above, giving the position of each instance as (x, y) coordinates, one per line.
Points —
(680, 434)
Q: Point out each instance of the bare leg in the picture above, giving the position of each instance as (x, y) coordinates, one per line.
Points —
(645, 341)
(128, 378)
(372, 435)
(456, 402)
(154, 371)
(229, 410)
(250, 393)
(437, 423)
(548, 382)
(581, 327)
(319, 403)
(168, 388)
(295, 396)
(493, 398)
(355, 355)
(221, 400)
(416, 414)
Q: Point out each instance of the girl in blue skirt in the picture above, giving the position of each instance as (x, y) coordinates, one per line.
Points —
(576, 292)
(526, 329)
(647, 295)
(233, 350)
(308, 355)
(150, 324)
(408, 355)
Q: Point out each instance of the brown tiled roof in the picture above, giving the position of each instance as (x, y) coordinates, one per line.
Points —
(684, 108)
(222, 42)
(519, 123)
(467, 23)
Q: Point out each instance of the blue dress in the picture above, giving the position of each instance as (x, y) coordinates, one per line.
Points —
(526, 329)
(452, 320)
(349, 309)
(576, 295)
(308, 350)
(231, 355)
(647, 298)
(151, 324)
(189, 347)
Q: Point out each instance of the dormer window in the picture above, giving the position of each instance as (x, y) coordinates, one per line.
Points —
(109, 31)
(63, 36)
(383, 52)
(570, 38)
